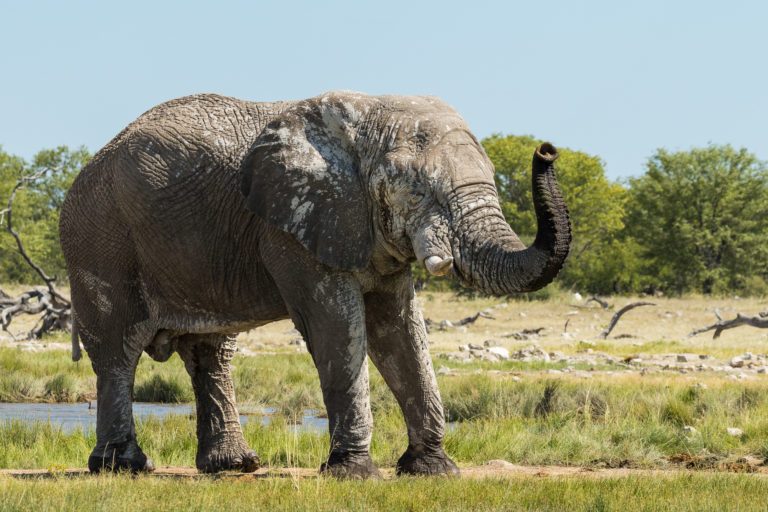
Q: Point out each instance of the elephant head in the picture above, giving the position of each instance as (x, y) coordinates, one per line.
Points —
(361, 179)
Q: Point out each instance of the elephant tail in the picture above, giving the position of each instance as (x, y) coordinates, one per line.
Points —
(76, 352)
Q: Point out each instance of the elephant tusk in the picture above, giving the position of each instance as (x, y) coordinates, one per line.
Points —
(438, 266)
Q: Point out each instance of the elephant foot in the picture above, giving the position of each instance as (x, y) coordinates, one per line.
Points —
(418, 460)
(125, 456)
(227, 455)
(350, 466)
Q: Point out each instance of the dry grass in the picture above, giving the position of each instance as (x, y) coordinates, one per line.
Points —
(669, 322)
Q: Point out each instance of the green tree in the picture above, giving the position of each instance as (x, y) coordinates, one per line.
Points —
(599, 261)
(700, 218)
(36, 210)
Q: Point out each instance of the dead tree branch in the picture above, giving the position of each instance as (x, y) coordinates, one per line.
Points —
(603, 303)
(56, 308)
(618, 314)
(760, 321)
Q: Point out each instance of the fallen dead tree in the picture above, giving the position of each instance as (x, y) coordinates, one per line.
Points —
(54, 308)
(618, 315)
(525, 334)
(760, 321)
(444, 324)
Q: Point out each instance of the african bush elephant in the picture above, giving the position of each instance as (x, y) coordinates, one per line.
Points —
(210, 215)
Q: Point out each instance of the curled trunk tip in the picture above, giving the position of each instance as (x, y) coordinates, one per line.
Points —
(546, 152)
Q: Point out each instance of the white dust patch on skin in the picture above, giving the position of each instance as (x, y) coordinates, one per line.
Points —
(100, 290)
(301, 212)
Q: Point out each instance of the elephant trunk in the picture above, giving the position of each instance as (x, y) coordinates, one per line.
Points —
(490, 257)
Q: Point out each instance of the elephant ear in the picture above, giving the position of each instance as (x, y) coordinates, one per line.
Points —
(302, 176)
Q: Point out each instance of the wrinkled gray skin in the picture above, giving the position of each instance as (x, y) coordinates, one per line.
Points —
(210, 215)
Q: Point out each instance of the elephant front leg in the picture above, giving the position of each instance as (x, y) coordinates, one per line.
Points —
(116, 447)
(343, 371)
(334, 327)
(220, 442)
(397, 344)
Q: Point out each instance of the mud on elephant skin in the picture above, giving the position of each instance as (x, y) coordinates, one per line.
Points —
(210, 215)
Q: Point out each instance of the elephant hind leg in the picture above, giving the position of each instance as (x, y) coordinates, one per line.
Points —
(221, 445)
(116, 446)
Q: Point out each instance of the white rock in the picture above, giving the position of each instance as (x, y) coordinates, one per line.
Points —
(737, 362)
(443, 370)
(463, 348)
(499, 351)
(499, 463)
(689, 430)
(577, 296)
(735, 432)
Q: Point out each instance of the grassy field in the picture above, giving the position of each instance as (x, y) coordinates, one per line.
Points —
(594, 412)
(713, 492)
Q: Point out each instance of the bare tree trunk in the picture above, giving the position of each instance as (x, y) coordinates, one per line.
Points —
(618, 314)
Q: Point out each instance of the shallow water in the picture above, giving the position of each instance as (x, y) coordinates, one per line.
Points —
(82, 416)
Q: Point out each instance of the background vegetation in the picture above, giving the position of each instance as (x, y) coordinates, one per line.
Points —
(695, 221)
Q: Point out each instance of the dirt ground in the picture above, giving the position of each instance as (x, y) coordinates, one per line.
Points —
(492, 469)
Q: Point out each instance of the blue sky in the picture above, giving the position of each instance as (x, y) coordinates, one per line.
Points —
(613, 79)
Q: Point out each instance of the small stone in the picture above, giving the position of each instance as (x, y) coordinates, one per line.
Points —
(464, 348)
(682, 358)
(635, 360)
(689, 430)
(446, 323)
(761, 369)
(747, 356)
(523, 315)
(491, 343)
(516, 378)
(737, 362)
(735, 432)
(443, 370)
(473, 346)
